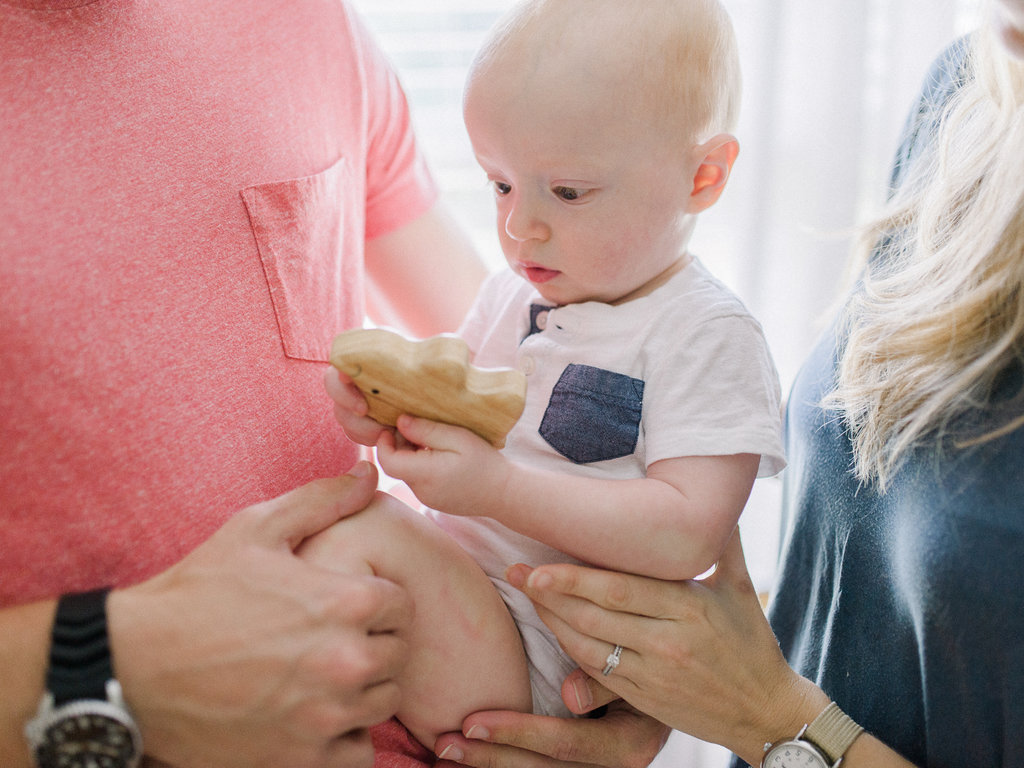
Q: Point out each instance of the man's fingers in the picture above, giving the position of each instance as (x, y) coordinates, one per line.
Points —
(301, 513)
(353, 749)
(377, 704)
(395, 613)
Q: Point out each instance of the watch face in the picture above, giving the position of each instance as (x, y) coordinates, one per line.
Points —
(87, 741)
(794, 754)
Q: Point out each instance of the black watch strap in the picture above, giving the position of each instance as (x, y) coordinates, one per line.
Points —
(80, 664)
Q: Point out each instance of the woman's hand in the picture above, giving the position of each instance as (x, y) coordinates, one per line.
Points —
(697, 655)
(622, 738)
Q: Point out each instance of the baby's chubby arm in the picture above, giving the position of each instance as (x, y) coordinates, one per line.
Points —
(672, 524)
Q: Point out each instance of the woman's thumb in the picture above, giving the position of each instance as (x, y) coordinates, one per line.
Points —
(582, 693)
(732, 565)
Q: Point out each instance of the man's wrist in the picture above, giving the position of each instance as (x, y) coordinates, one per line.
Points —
(24, 651)
(126, 614)
(82, 719)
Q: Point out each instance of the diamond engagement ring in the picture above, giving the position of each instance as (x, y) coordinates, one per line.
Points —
(612, 661)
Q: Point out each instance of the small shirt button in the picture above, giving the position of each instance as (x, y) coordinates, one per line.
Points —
(542, 320)
(527, 365)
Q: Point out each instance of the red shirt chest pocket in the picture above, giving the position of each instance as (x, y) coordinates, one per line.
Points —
(309, 234)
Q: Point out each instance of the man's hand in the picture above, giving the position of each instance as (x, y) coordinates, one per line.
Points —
(244, 656)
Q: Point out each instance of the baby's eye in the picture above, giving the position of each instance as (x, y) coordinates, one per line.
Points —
(569, 194)
(501, 188)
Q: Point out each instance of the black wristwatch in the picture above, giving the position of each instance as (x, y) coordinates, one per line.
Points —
(82, 720)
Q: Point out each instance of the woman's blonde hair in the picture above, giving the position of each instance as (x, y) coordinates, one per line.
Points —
(941, 311)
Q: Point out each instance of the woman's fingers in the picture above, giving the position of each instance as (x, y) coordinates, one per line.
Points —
(623, 738)
(611, 590)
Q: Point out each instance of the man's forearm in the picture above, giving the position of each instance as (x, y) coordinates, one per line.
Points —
(24, 647)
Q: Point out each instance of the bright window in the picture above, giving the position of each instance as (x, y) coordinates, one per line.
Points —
(432, 43)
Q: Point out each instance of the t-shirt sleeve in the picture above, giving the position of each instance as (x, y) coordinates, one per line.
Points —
(714, 391)
(399, 185)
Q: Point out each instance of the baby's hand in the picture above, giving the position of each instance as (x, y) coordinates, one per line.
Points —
(431, 378)
(448, 468)
(350, 409)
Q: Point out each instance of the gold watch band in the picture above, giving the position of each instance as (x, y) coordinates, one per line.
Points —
(833, 731)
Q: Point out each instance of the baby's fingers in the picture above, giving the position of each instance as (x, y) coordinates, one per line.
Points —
(350, 409)
(344, 392)
(432, 434)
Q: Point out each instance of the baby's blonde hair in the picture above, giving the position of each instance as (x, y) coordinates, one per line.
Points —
(941, 313)
(681, 58)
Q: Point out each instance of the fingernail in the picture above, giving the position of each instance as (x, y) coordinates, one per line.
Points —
(478, 732)
(516, 575)
(540, 580)
(361, 469)
(452, 752)
(584, 698)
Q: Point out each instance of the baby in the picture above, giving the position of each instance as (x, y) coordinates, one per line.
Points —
(652, 401)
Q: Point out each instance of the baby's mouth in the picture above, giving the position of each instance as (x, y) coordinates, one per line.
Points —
(538, 274)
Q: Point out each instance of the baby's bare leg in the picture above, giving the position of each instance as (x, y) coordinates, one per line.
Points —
(466, 654)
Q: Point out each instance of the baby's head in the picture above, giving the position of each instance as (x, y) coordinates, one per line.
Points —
(671, 64)
(602, 125)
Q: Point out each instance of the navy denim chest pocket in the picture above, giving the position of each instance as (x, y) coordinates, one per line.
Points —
(593, 414)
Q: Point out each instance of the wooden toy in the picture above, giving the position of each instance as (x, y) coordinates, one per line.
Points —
(432, 378)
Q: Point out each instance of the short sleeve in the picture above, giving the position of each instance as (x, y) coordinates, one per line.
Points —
(399, 185)
(715, 392)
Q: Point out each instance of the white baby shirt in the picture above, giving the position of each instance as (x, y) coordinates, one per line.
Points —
(684, 371)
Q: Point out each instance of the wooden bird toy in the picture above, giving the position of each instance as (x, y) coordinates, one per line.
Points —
(432, 378)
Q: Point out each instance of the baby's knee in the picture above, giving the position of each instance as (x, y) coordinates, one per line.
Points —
(370, 541)
(351, 544)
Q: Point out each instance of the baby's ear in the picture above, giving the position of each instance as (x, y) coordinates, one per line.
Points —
(715, 159)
